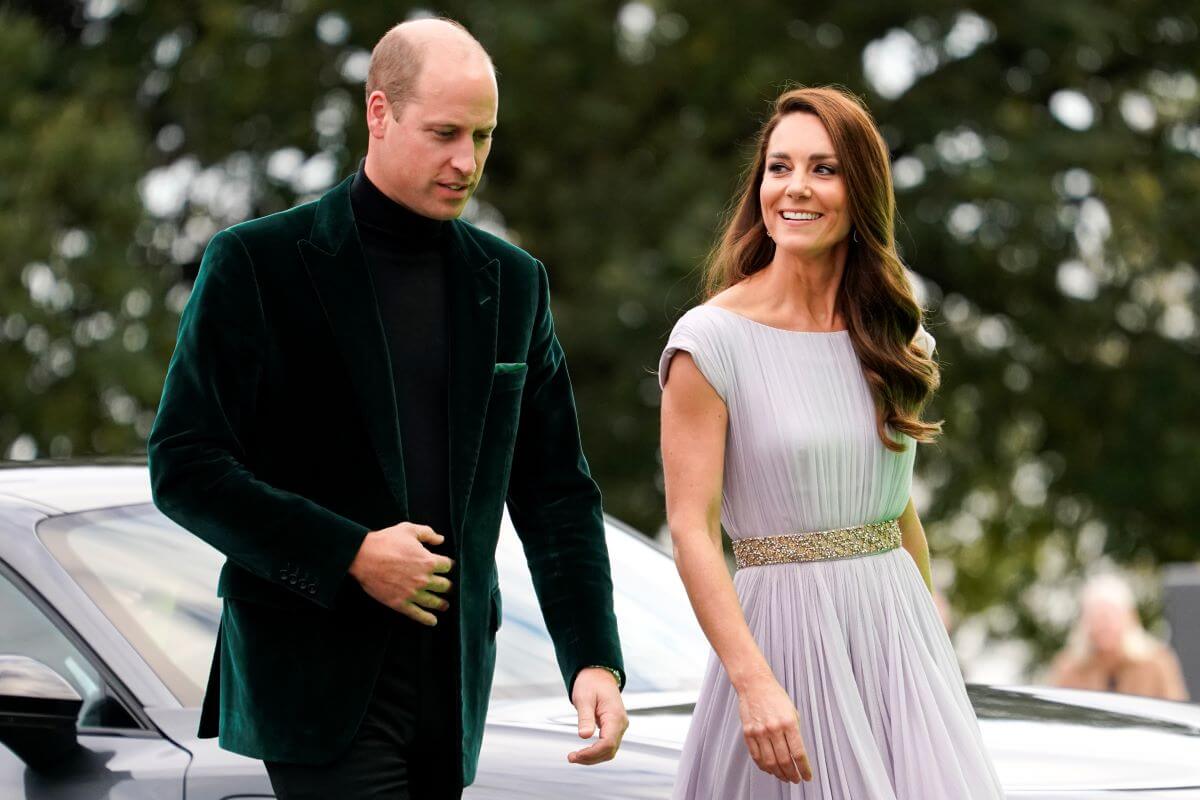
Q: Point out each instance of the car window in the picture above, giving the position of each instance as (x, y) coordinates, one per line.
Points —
(157, 584)
(154, 581)
(661, 642)
(26, 631)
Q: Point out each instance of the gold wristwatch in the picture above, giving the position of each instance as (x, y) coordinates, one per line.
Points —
(616, 674)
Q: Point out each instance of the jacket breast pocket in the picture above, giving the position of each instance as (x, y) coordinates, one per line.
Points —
(509, 376)
(504, 407)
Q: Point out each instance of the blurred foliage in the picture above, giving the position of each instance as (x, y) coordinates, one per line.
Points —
(1047, 158)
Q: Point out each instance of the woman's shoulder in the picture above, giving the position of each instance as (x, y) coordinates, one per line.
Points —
(1067, 660)
(1156, 654)
(700, 332)
(704, 319)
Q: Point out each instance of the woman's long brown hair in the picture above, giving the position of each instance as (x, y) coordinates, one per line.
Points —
(875, 297)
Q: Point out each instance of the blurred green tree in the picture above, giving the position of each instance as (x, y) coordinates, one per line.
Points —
(1047, 161)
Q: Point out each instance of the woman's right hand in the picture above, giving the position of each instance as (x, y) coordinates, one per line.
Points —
(771, 727)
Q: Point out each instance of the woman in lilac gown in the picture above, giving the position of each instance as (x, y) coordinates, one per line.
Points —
(791, 412)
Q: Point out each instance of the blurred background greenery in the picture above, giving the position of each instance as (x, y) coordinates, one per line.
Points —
(1047, 165)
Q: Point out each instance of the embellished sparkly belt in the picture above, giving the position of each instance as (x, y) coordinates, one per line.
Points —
(861, 540)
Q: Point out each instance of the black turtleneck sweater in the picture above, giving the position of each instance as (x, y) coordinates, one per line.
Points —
(403, 253)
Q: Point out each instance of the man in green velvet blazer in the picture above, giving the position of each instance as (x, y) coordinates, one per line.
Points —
(277, 441)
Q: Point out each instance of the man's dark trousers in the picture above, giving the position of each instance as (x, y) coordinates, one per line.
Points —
(405, 748)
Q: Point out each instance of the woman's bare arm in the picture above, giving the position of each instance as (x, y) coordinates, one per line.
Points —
(912, 535)
(694, 421)
(1175, 688)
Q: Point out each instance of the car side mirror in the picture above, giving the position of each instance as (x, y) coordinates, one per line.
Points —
(38, 710)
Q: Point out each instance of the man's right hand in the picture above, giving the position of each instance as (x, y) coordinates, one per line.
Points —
(394, 567)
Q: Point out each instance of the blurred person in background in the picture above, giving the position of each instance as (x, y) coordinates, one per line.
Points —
(1109, 650)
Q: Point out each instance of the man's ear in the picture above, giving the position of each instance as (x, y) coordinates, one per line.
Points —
(379, 112)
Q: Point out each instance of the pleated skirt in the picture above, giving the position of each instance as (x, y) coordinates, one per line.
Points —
(858, 645)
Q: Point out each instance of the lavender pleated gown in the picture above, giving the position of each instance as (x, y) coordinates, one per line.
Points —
(857, 643)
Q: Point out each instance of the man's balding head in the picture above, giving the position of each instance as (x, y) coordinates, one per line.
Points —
(405, 50)
(431, 109)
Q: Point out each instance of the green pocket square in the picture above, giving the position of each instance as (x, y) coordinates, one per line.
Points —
(504, 369)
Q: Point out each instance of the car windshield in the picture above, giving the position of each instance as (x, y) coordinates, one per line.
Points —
(157, 584)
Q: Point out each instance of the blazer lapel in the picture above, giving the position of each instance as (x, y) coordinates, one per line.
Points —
(337, 267)
(474, 304)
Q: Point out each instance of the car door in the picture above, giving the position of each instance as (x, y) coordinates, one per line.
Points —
(120, 754)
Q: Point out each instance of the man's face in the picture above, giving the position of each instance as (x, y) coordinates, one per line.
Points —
(431, 153)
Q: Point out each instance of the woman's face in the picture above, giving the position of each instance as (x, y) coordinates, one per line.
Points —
(1106, 624)
(803, 195)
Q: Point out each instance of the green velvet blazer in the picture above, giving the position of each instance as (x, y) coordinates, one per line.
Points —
(277, 441)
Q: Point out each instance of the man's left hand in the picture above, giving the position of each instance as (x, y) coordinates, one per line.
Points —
(597, 698)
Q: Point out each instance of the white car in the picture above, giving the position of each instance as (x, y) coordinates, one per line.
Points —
(108, 614)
